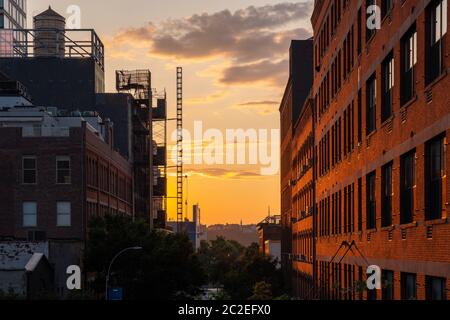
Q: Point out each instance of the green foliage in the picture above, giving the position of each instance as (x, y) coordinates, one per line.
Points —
(262, 291)
(238, 269)
(165, 269)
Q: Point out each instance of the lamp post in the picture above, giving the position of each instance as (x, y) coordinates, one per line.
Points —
(112, 262)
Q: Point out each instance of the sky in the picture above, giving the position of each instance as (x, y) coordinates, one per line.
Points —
(234, 56)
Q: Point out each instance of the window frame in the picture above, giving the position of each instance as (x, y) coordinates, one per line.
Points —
(59, 214)
(62, 159)
(35, 214)
(35, 169)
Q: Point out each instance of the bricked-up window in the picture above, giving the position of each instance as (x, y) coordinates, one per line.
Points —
(386, 195)
(63, 170)
(436, 28)
(29, 211)
(387, 285)
(371, 104)
(435, 288)
(434, 173)
(29, 170)
(408, 63)
(408, 286)
(407, 186)
(387, 78)
(371, 218)
(386, 7)
(63, 213)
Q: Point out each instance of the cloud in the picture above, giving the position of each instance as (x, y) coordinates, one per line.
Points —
(254, 40)
(222, 173)
(264, 71)
(263, 108)
(259, 103)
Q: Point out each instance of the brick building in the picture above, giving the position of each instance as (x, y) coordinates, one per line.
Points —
(381, 120)
(295, 94)
(58, 169)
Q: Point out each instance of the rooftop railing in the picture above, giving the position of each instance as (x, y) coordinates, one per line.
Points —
(68, 43)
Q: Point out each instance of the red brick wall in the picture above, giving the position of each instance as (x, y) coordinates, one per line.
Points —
(410, 127)
(46, 192)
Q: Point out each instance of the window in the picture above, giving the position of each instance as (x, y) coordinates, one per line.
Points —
(369, 31)
(386, 194)
(29, 210)
(29, 170)
(359, 117)
(407, 186)
(436, 29)
(359, 204)
(359, 35)
(386, 6)
(371, 201)
(63, 171)
(387, 70)
(434, 173)
(371, 104)
(63, 210)
(388, 285)
(408, 286)
(435, 288)
(408, 63)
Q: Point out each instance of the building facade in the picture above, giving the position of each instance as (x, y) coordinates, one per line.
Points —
(381, 118)
(59, 170)
(13, 14)
(294, 97)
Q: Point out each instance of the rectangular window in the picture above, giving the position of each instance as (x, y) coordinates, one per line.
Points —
(359, 117)
(436, 28)
(359, 31)
(63, 210)
(359, 204)
(369, 31)
(29, 170)
(435, 288)
(408, 63)
(434, 173)
(386, 6)
(371, 201)
(408, 286)
(407, 186)
(387, 76)
(371, 104)
(388, 285)
(386, 195)
(63, 170)
(29, 211)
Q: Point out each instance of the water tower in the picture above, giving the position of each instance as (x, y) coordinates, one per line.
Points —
(49, 34)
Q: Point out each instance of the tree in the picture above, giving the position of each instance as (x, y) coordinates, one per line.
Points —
(238, 269)
(262, 291)
(166, 269)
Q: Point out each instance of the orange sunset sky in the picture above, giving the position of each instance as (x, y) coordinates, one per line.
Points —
(234, 55)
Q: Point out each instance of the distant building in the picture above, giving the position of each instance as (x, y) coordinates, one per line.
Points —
(13, 14)
(25, 271)
(244, 234)
(194, 229)
(269, 233)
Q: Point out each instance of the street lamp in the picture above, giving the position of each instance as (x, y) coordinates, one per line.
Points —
(112, 261)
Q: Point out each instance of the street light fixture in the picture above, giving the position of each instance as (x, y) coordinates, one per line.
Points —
(111, 263)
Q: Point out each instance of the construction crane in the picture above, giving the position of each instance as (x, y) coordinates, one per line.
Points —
(179, 120)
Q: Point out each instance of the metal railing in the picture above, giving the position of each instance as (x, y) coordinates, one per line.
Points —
(68, 43)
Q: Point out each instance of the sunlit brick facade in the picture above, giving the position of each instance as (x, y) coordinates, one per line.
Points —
(380, 124)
